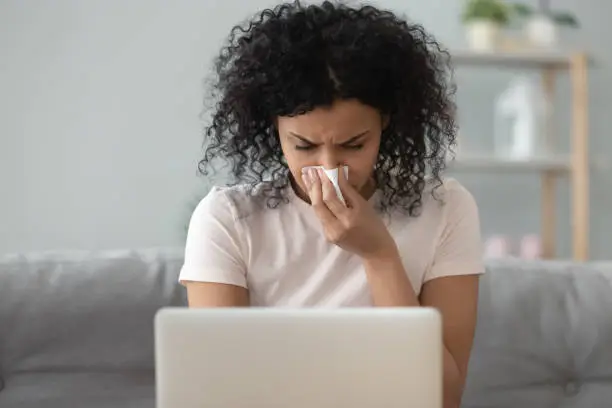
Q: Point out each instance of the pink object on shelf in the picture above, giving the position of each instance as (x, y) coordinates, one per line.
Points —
(531, 247)
(497, 246)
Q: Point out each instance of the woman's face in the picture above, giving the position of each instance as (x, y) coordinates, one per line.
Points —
(345, 134)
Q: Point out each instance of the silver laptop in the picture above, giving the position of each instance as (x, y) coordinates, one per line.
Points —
(298, 358)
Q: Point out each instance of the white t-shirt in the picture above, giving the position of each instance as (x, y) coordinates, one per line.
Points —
(282, 257)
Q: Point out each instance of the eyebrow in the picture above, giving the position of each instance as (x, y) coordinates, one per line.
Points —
(349, 141)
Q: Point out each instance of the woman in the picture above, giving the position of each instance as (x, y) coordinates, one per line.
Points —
(335, 86)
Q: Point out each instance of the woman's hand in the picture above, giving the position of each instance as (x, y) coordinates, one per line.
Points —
(355, 226)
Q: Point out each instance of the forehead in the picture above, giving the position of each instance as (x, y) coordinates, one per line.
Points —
(345, 118)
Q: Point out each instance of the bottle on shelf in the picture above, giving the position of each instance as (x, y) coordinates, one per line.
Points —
(518, 120)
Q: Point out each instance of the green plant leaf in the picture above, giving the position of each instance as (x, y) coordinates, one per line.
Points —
(522, 10)
(566, 19)
(489, 10)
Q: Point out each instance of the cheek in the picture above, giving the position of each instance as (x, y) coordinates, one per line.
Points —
(289, 154)
(361, 167)
(296, 162)
(359, 176)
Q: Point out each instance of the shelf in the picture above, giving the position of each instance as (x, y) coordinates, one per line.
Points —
(517, 59)
(576, 163)
(559, 164)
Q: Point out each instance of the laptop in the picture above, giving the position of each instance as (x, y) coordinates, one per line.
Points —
(298, 358)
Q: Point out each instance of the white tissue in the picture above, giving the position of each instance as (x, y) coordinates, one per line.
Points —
(332, 175)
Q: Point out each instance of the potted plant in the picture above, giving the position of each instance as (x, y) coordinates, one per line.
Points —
(542, 24)
(484, 20)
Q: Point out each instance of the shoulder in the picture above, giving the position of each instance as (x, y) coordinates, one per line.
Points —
(459, 246)
(215, 247)
(457, 198)
(233, 202)
(217, 219)
(447, 199)
(447, 209)
(444, 238)
(454, 212)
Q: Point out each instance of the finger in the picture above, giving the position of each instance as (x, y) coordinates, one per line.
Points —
(307, 181)
(330, 196)
(316, 200)
(351, 196)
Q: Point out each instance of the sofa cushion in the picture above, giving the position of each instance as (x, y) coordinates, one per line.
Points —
(543, 338)
(91, 389)
(79, 326)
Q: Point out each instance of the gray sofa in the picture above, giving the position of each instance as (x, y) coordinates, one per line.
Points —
(76, 331)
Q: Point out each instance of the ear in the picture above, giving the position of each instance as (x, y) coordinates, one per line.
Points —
(273, 129)
(386, 119)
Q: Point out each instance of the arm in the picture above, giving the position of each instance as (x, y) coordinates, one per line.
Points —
(455, 297)
(205, 294)
(451, 285)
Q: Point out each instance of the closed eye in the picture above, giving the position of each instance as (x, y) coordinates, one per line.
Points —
(304, 147)
(354, 146)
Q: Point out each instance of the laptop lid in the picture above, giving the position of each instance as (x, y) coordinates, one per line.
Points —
(298, 358)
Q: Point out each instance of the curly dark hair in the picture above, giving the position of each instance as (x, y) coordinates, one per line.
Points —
(293, 58)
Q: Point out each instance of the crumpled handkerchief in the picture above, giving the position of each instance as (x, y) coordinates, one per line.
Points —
(332, 174)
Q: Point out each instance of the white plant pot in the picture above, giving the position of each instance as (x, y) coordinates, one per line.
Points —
(541, 31)
(483, 35)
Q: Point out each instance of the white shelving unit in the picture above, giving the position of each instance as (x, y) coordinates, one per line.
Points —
(552, 166)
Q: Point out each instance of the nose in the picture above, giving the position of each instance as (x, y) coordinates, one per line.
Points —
(330, 159)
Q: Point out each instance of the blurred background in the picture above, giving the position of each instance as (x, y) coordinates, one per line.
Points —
(100, 127)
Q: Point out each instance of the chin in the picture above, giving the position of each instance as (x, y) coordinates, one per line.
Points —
(360, 187)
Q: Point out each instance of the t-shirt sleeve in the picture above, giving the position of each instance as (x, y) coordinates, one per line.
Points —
(213, 250)
(459, 250)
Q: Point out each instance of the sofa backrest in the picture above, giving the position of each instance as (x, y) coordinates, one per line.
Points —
(85, 318)
(544, 336)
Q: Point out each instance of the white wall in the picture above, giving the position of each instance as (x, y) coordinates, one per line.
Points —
(99, 127)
